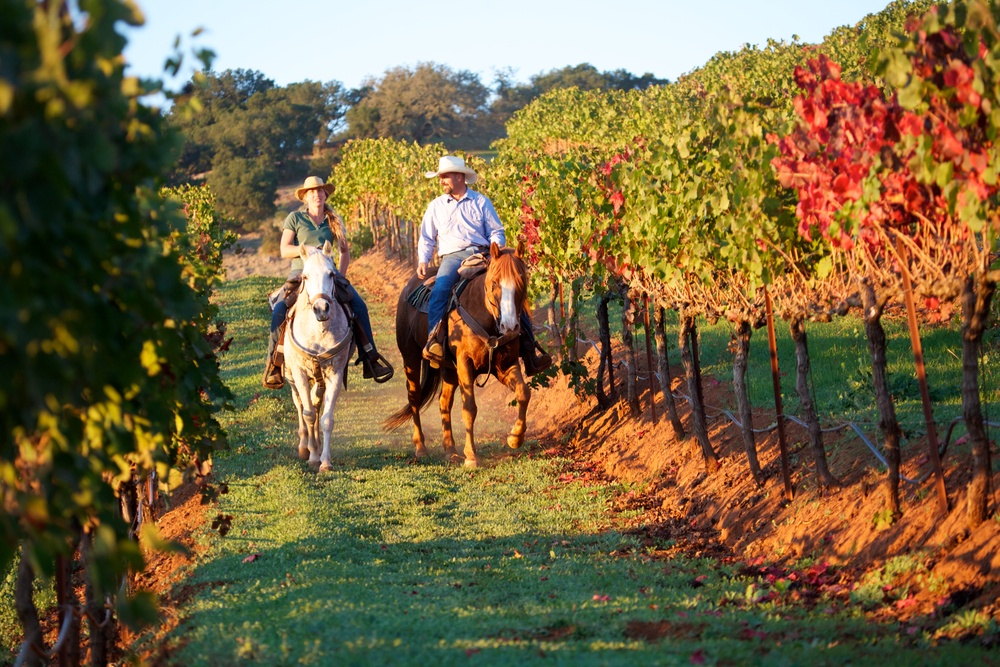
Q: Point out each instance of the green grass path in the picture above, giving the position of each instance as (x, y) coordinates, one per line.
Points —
(389, 561)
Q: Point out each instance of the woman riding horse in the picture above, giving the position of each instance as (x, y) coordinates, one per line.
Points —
(317, 344)
(312, 225)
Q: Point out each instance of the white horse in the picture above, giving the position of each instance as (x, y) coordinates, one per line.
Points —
(317, 347)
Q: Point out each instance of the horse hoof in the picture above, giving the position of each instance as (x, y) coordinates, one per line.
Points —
(314, 464)
(514, 442)
(420, 452)
(471, 463)
(303, 453)
(325, 467)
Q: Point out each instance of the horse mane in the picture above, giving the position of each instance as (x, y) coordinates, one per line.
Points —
(508, 266)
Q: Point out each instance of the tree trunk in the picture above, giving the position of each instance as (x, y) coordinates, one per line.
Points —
(69, 652)
(606, 362)
(663, 367)
(976, 299)
(740, 362)
(798, 329)
(883, 399)
(99, 624)
(555, 326)
(688, 343)
(572, 323)
(631, 384)
(27, 613)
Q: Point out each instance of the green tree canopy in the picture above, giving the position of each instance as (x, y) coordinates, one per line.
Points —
(429, 103)
(511, 96)
(251, 134)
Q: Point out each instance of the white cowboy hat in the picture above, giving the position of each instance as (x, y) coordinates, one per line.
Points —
(450, 164)
(313, 183)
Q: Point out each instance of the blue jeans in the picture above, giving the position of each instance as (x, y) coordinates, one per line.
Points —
(357, 304)
(447, 276)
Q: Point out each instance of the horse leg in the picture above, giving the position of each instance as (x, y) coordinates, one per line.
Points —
(334, 383)
(412, 372)
(446, 403)
(303, 430)
(310, 417)
(467, 382)
(514, 381)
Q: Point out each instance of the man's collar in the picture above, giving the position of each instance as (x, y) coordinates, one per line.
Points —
(465, 195)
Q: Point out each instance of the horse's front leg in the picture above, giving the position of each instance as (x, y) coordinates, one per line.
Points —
(467, 381)
(446, 403)
(514, 380)
(300, 404)
(333, 385)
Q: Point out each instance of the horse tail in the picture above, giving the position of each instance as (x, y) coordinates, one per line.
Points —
(429, 384)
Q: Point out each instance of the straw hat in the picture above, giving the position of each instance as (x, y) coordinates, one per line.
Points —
(313, 183)
(450, 164)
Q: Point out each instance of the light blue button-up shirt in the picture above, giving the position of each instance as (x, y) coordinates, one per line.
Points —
(453, 224)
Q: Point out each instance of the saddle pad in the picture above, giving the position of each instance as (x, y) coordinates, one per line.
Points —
(420, 298)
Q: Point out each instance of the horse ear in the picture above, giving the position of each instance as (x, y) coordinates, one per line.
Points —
(519, 253)
(303, 251)
(494, 250)
(328, 249)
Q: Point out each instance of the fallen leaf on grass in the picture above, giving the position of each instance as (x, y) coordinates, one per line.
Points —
(698, 657)
(251, 558)
(601, 598)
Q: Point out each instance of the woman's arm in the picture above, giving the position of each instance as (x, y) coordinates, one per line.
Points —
(345, 258)
(341, 238)
(288, 248)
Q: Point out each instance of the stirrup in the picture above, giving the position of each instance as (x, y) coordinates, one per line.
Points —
(375, 366)
(273, 378)
(536, 363)
(433, 353)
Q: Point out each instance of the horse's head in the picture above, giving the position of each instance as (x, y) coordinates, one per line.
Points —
(317, 279)
(506, 286)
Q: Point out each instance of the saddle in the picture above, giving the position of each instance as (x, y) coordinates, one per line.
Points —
(289, 293)
(471, 267)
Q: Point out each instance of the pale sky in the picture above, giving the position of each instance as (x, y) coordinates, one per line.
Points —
(290, 40)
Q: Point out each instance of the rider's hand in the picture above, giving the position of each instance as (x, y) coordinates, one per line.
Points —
(422, 270)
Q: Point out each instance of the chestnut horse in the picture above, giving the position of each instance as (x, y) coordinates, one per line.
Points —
(482, 338)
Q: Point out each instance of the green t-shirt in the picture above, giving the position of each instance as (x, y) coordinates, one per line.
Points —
(307, 233)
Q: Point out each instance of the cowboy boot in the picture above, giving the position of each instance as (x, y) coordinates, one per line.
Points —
(273, 378)
(373, 365)
(434, 350)
(529, 351)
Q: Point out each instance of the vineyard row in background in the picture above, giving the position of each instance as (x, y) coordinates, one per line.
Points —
(805, 180)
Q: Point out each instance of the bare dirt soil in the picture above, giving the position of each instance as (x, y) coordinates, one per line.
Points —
(674, 506)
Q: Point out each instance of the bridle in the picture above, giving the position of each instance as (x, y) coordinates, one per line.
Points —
(324, 356)
(491, 341)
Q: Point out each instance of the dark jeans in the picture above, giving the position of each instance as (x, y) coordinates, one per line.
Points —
(447, 276)
(357, 304)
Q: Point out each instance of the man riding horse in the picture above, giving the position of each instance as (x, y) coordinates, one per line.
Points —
(459, 223)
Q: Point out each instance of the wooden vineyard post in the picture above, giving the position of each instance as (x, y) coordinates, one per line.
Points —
(562, 305)
(649, 356)
(918, 361)
(772, 342)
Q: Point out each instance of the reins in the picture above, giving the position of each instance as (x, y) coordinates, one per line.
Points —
(492, 342)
